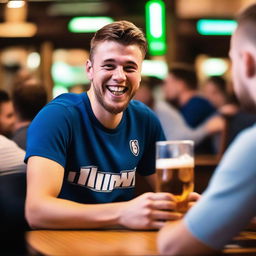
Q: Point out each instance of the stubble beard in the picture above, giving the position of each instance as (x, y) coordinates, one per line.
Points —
(110, 108)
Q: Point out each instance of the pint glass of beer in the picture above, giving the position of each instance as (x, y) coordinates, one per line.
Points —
(175, 170)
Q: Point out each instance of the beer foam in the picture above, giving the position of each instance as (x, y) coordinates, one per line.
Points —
(182, 161)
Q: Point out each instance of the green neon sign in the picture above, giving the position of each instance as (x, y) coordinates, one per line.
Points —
(88, 24)
(155, 27)
(216, 27)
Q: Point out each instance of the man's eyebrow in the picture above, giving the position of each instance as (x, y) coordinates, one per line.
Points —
(128, 62)
(109, 60)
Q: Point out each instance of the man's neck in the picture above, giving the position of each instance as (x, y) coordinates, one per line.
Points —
(107, 119)
(20, 124)
(186, 96)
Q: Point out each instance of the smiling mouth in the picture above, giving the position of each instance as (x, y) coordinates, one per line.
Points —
(117, 90)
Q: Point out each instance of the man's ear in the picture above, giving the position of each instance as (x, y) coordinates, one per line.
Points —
(88, 68)
(249, 64)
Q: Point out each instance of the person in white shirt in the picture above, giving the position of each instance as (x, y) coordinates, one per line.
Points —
(11, 156)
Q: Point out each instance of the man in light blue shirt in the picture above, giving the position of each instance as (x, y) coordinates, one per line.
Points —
(228, 204)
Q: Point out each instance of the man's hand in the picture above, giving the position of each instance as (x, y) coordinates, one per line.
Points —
(193, 198)
(149, 211)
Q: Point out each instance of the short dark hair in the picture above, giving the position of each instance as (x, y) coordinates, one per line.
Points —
(188, 75)
(123, 32)
(247, 14)
(28, 100)
(4, 96)
(247, 22)
(219, 82)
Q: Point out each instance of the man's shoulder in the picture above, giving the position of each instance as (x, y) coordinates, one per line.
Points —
(68, 99)
(200, 102)
(138, 108)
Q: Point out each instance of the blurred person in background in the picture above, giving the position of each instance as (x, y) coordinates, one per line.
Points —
(29, 97)
(91, 144)
(11, 156)
(228, 204)
(174, 126)
(181, 90)
(237, 118)
(7, 116)
(215, 90)
(79, 88)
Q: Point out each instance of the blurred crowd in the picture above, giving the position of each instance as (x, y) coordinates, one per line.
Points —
(206, 112)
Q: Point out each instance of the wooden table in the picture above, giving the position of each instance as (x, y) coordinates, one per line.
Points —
(109, 242)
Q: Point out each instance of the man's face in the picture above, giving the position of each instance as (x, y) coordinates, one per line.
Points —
(115, 73)
(243, 86)
(7, 118)
(171, 87)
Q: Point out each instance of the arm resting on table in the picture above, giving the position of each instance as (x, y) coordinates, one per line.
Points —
(45, 210)
(175, 239)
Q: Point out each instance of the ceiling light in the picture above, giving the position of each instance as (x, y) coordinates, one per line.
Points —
(15, 24)
(216, 27)
(15, 4)
(87, 24)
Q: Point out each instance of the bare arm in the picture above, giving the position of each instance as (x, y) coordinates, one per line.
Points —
(45, 210)
(175, 239)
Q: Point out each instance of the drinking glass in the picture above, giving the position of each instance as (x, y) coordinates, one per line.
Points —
(175, 170)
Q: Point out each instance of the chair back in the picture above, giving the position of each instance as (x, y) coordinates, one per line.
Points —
(12, 202)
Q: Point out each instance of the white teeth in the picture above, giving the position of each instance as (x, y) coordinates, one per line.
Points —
(116, 88)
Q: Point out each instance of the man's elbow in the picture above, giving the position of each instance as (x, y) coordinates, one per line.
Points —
(165, 245)
(175, 239)
(32, 215)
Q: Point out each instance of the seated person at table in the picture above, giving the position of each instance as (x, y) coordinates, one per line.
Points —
(29, 97)
(11, 156)
(7, 115)
(83, 149)
(228, 204)
(181, 91)
(173, 124)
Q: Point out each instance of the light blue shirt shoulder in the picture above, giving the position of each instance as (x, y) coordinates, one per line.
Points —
(228, 204)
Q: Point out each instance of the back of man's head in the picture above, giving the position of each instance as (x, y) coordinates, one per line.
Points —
(28, 99)
(247, 22)
(187, 75)
(123, 32)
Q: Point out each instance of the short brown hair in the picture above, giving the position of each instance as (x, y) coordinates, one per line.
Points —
(186, 74)
(123, 32)
(247, 22)
(28, 100)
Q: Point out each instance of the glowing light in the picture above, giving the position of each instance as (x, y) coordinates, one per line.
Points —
(33, 60)
(155, 27)
(155, 68)
(214, 67)
(88, 24)
(216, 27)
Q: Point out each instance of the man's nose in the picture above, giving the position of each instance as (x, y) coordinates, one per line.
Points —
(119, 74)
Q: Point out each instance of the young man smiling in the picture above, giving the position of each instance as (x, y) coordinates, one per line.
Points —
(83, 150)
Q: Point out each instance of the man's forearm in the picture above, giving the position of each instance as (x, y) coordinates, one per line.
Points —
(65, 214)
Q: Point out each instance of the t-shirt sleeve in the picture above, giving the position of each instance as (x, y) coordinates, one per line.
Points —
(49, 134)
(228, 204)
(154, 133)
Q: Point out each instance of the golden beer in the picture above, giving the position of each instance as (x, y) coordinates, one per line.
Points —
(176, 176)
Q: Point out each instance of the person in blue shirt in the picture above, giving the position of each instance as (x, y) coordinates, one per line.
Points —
(228, 204)
(181, 90)
(83, 150)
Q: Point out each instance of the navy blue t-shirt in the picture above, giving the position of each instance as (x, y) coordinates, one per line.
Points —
(99, 163)
(197, 110)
